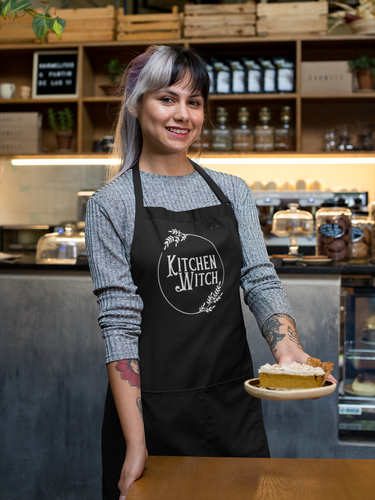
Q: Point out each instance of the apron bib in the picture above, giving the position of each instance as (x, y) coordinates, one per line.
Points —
(194, 356)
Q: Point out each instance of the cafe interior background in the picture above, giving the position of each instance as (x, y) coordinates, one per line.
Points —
(330, 155)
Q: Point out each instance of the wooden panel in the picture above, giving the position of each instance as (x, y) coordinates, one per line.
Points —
(145, 17)
(220, 31)
(82, 36)
(91, 25)
(84, 14)
(286, 24)
(133, 28)
(152, 35)
(292, 8)
(203, 21)
(210, 9)
(17, 31)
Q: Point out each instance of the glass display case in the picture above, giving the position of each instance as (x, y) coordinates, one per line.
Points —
(357, 373)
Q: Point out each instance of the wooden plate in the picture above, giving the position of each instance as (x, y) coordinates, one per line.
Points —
(252, 388)
(349, 390)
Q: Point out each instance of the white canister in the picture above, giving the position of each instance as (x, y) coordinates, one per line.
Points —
(7, 90)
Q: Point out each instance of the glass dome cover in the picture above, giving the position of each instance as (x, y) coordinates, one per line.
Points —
(61, 247)
(292, 223)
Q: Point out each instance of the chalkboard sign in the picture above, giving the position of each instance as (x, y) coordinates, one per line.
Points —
(55, 74)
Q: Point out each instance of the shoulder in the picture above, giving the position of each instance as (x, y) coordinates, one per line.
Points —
(235, 188)
(115, 192)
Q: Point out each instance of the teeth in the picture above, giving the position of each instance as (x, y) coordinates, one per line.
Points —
(178, 130)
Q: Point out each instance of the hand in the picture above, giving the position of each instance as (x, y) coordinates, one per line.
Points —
(132, 469)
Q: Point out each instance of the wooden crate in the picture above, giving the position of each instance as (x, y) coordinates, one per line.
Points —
(18, 31)
(295, 17)
(149, 26)
(209, 20)
(98, 24)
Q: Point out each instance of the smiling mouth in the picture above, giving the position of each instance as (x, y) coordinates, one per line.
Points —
(177, 130)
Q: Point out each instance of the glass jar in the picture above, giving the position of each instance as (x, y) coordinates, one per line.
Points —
(203, 141)
(222, 133)
(292, 223)
(362, 236)
(243, 139)
(334, 231)
(285, 136)
(329, 140)
(264, 133)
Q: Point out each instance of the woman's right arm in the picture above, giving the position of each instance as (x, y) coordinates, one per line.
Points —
(124, 378)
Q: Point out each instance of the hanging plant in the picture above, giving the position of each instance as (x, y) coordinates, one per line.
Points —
(42, 22)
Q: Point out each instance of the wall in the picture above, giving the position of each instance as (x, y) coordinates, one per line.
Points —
(44, 194)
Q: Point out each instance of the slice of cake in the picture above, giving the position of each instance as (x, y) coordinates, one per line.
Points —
(364, 385)
(288, 376)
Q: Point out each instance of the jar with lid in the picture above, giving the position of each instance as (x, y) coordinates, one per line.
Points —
(222, 133)
(292, 223)
(285, 136)
(203, 141)
(362, 236)
(334, 231)
(243, 139)
(264, 133)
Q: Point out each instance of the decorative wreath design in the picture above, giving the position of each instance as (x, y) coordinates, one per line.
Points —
(176, 238)
(209, 304)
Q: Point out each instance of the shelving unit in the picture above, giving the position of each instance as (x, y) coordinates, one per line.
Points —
(96, 113)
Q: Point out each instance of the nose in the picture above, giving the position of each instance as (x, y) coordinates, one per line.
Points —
(182, 113)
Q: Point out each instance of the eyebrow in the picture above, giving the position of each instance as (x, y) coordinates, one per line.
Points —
(175, 93)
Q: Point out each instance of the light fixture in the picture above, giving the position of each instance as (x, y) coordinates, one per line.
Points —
(65, 161)
(287, 161)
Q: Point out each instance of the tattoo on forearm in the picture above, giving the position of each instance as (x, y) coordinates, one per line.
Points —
(139, 404)
(271, 332)
(129, 369)
(293, 337)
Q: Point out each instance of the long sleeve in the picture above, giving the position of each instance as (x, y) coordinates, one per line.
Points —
(263, 291)
(120, 306)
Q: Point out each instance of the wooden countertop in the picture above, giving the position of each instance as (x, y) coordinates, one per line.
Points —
(188, 478)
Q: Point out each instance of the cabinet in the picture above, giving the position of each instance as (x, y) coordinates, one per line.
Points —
(96, 113)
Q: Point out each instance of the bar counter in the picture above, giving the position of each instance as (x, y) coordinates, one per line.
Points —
(187, 478)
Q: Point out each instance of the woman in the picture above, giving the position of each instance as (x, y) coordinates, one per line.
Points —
(169, 244)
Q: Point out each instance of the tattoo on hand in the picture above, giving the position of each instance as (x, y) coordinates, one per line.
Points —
(293, 337)
(129, 369)
(271, 332)
(139, 404)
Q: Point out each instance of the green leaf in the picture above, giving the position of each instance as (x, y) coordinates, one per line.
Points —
(40, 27)
(6, 8)
(58, 26)
(22, 5)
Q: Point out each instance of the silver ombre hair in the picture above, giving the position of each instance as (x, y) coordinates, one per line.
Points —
(149, 71)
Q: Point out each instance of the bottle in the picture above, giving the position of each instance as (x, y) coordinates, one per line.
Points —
(243, 138)
(334, 231)
(222, 134)
(285, 138)
(264, 133)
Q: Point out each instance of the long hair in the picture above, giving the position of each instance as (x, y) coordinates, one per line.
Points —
(160, 66)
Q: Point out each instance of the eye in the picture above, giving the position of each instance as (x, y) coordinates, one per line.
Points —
(166, 100)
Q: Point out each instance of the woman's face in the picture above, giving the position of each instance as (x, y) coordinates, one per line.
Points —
(171, 118)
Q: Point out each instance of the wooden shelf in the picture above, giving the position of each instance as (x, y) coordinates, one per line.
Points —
(96, 112)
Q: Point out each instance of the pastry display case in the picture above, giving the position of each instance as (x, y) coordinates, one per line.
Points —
(293, 223)
(357, 373)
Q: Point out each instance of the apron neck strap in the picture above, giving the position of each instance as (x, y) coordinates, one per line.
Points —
(215, 188)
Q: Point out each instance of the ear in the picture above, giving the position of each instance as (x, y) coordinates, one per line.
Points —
(133, 112)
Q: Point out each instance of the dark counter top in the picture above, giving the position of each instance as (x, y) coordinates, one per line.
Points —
(27, 263)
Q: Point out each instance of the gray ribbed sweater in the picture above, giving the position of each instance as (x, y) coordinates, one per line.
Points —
(109, 236)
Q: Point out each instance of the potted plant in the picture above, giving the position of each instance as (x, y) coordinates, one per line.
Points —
(61, 122)
(113, 71)
(364, 67)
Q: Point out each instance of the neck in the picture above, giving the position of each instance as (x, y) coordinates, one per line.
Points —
(174, 164)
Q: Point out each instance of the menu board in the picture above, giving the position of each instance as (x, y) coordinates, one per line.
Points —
(55, 74)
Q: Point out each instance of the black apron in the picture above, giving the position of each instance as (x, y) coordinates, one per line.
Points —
(194, 356)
